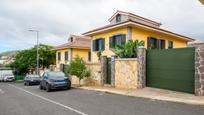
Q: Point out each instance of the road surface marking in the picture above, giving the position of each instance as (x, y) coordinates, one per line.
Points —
(1, 91)
(57, 103)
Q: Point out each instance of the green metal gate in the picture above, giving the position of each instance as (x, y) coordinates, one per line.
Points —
(108, 79)
(171, 69)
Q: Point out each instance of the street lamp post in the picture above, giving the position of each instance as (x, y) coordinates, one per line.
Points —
(37, 32)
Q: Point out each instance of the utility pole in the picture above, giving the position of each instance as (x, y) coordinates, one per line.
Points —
(37, 33)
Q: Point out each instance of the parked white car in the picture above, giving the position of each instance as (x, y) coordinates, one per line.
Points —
(1, 76)
(9, 77)
(6, 75)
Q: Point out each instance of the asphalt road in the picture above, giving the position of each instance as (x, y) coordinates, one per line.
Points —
(16, 99)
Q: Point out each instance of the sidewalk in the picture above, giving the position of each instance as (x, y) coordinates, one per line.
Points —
(152, 93)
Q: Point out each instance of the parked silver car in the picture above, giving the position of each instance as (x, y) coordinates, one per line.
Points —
(54, 80)
(32, 79)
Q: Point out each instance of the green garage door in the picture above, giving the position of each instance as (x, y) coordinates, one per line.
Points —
(171, 69)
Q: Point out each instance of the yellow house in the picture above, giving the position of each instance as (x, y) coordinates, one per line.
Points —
(126, 26)
(76, 45)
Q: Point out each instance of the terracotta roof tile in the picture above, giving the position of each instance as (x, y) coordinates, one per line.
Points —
(83, 42)
(76, 44)
(129, 20)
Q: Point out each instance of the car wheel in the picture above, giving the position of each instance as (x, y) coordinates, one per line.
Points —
(41, 88)
(47, 88)
(25, 83)
(28, 83)
(69, 85)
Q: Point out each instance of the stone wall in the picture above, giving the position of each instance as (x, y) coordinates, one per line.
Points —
(94, 79)
(141, 68)
(199, 71)
(126, 73)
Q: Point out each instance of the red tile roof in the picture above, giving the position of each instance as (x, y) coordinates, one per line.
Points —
(133, 15)
(83, 42)
(129, 20)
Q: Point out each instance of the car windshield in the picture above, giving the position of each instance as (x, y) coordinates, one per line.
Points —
(56, 74)
(7, 74)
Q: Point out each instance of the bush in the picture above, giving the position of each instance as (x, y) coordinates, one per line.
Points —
(78, 68)
(128, 50)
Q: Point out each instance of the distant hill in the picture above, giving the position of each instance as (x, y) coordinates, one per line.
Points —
(8, 54)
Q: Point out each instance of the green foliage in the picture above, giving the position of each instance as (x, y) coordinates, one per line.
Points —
(26, 59)
(129, 50)
(99, 55)
(78, 68)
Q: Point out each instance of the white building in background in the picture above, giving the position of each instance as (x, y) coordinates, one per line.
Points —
(2, 61)
(196, 43)
(6, 60)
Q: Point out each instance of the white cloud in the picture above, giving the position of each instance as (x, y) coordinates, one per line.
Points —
(56, 19)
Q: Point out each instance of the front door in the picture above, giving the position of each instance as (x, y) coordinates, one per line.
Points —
(108, 78)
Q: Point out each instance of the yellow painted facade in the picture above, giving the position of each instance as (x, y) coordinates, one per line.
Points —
(71, 55)
(137, 34)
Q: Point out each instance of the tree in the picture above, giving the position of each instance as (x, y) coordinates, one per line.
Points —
(78, 68)
(129, 49)
(25, 60)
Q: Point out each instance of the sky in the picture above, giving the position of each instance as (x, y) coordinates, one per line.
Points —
(57, 19)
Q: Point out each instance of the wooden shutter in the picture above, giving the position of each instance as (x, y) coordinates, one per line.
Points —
(94, 45)
(111, 42)
(163, 44)
(123, 39)
(102, 44)
(158, 46)
(149, 43)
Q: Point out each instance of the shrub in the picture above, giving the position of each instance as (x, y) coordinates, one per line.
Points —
(129, 49)
(78, 68)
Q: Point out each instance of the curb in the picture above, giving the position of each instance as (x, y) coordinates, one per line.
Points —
(158, 98)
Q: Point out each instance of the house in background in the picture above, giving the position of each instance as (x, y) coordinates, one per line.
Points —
(196, 43)
(126, 26)
(76, 45)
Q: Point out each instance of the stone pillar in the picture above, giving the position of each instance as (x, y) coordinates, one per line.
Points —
(141, 68)
(199, 71)
(103, 69)
(113, 71)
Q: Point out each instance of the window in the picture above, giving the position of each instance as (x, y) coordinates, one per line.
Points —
(118, 18)
(162, 44)
(71, 39)
(99, 44)
(117, 40)
(171, 44)
(59, 56)
(89, 56)
(152, 43)
(66, 55)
